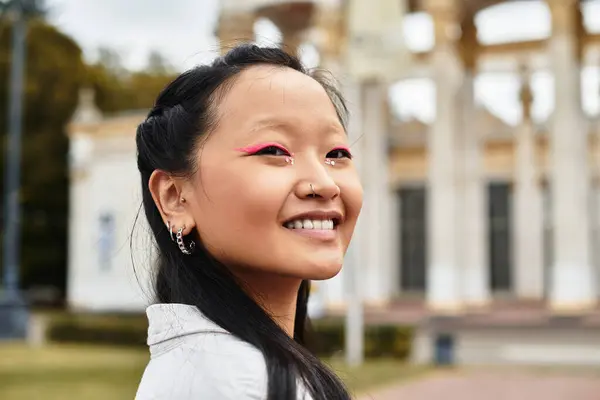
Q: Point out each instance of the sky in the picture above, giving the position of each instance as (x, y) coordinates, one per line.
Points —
(182, 30)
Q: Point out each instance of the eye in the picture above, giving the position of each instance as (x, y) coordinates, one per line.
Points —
(339, 153)
(272, 150)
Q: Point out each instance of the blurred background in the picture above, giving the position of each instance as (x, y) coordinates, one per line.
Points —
(475, 268)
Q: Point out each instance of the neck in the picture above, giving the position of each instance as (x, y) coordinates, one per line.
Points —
(277, 295)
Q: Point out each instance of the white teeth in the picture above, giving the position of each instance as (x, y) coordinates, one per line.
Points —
(317, 224)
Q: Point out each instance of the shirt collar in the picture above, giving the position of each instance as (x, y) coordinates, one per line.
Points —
(170, 321)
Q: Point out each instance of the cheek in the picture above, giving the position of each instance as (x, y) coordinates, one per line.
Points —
(232, 201)
(237, 215)
(352, 196)
(352, 192)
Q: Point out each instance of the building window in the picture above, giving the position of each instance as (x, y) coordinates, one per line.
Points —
(413, 233)
(106, 240)
(500, 254)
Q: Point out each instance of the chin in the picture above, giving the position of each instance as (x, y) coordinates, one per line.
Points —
(319, 270)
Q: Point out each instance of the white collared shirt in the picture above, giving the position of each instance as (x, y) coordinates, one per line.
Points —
(192, 358)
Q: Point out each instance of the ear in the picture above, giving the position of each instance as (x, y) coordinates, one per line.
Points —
(166, 193)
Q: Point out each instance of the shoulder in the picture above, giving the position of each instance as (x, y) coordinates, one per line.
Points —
(194, 358)
(205, 365)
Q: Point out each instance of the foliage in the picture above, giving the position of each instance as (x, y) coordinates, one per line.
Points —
(120, 90)
(381, 341)
(98, 329)
(327, 338)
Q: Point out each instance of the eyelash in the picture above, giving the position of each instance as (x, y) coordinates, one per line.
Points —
(345, 153)
(271, 150)
(276, 150)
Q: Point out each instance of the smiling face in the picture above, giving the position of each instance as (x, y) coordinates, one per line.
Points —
(276, 190)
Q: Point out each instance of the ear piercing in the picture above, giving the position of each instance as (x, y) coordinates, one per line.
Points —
(185, 249)
(170, 230)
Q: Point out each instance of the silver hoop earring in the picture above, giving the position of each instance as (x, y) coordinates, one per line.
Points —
(170, 231)
(185, 250)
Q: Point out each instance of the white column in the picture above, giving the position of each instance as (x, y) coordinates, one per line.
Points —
(573, 280)
(595, 206)
(443, 283)
(376, 189)
(80, 221)
(353, 277)
(389, 219)
(473, 213)
(528, 232)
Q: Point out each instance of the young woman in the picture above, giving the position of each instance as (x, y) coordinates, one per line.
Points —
(250, 190)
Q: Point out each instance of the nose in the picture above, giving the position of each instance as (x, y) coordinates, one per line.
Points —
(318, 184)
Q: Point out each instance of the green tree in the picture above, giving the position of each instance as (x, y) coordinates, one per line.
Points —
(119, 90)
(111, 60)
(158, 65)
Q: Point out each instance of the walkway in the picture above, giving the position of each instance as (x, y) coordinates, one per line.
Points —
(497, 384)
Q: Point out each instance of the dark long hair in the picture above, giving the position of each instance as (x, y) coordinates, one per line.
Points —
(167, 140)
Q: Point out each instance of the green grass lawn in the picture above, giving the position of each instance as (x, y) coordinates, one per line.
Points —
(59, 372)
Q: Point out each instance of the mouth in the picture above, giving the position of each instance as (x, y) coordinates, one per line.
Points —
(312, 224)
(315, 224)
(316, 220)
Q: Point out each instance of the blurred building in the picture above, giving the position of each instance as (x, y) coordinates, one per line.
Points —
(106, 270)
(485, 235)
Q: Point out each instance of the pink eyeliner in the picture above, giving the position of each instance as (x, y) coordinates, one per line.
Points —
(258, 147)
(342, 148)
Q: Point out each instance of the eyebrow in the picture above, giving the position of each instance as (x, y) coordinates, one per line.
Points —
(270, 123)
